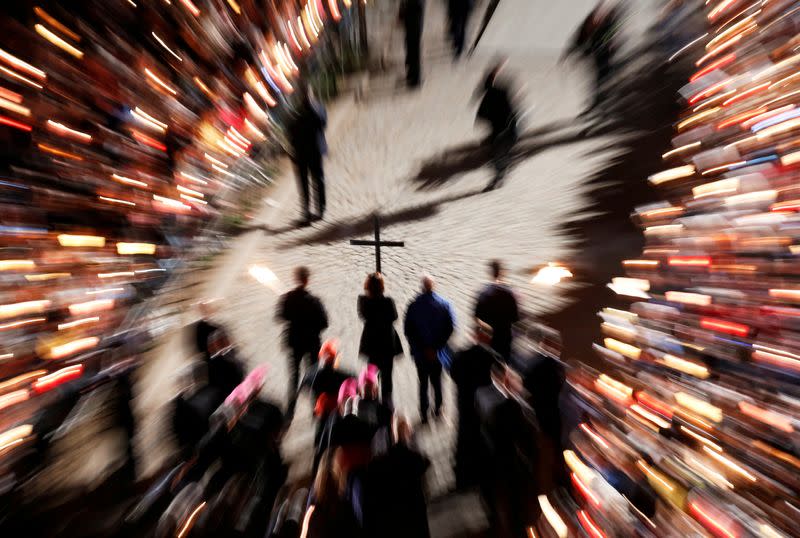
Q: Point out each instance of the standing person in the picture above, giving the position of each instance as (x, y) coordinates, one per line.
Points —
(497, 307)
(471, 370)
(305, 319)
(498, 110)
(429, 322)
(412, 14)
(457, 14)
(307, 138)
(204, 328)
(380, 343)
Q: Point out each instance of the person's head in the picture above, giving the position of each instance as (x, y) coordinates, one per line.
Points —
(301, 276)
(483, 332)
(496, 269)
(427, 284)
(347, 390)
(329, 352)
(374, 286)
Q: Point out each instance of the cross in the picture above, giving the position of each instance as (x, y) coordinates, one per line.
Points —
(377, 243)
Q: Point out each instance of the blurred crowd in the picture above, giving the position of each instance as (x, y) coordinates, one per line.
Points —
(689, 426)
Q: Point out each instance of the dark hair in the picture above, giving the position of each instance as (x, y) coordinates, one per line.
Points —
(301, 275)
(496, 268)
(374, 285)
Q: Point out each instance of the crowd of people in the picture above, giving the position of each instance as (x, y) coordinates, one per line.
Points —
(368, 473)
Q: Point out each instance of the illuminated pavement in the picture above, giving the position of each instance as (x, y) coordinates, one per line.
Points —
(378, 149)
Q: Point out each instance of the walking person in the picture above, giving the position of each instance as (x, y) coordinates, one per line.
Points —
(498, 110)
(497, 306)
(458, 12)
(412, 15)
(305, 319)
(307, 138)
(471, 370)
(380, 343)
(429, 323)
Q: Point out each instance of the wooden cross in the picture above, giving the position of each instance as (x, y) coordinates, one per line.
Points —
(377, 243)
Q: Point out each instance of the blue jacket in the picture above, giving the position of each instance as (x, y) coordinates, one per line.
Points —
(428, 324)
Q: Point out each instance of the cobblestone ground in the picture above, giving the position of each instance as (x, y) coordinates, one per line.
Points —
(378, 149)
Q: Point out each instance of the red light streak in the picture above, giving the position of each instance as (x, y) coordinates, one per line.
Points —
(711, 90)
(657, 406)
(746, 93)
(590, 526)
(16, 124)
(585, 491)
(709, 522)
(725, 60)
(147, 141)
(59, 377)
(193, 9)
(728, 327)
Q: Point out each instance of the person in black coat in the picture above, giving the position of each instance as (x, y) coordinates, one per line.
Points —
(457, 15)
(307, 138)
(498, 110)
(306, 319)
(497, 307)
(380, 343)
(204, 328)
(471, 370)
(412, 14)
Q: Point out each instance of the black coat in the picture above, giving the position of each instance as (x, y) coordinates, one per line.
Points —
(393, 499)
(203, 330)
(497, 306)
(307, 131)
(412, 13)
(379, 339)
(306, 319)
(325, 379)
(498, 110)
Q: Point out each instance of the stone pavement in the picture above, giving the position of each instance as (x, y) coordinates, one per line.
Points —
(389, 153)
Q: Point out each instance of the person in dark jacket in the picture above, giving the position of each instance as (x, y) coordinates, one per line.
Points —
(471, 370)
(429, 323)
(307, 138)
(497, 307)
(393, 499)
(380, 343)
(412, 14)
(204, 328)
(458, 12)
(498, 110)
(305, 319)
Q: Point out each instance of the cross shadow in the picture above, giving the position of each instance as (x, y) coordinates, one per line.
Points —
(438, 170)
(351, 229)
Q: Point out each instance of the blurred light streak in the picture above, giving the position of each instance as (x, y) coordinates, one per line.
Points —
(15, 124)
(722, 62)
(655, 476)
(77, 323)
(590, 526)
(58, 152)
(69, 240)
(128, 181)
(13, 398)
(148, 141)
(685, 366)
(697, 117)
(17, 76)
(21, 323)
(594, 436)
(42, 14)
(22, 66)
(656, 405)
(115, 274)
(59, 377)
(306, 521)
(14, 107)
(46, 276)
(161, 42)
(63, 130)
(14, 436)
(193, 9)
(626, 350)
(551, 274)
(674, 55)
(16, 265)
(698, 299)
(672, 174)
(728, 327)
(89, 307)
(641, 264)
(190, 520)
(552, 517)
(23, 379)
(116, 201)
(146, 119)
(776, 420)
(681, 149)
(70, 348)
(615, 390)
(57, 41)
(585, 491)
(730, 464)
(169, 202)
(152, 76)
(701, 407)
(637, 409)
(23, 308)
(136, 248)
(689, 261)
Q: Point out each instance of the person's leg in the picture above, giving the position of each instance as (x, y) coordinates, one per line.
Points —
(435, 373)
(319, 184)
(422, 374)
(413, 45)
(294, 380)
(302, 178)
(386, 381)
(459, 34)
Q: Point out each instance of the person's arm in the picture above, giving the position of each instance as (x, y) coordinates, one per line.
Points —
(451, 322)
(362, 303)
(282, 313)
(392, 310)
(323, 316)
